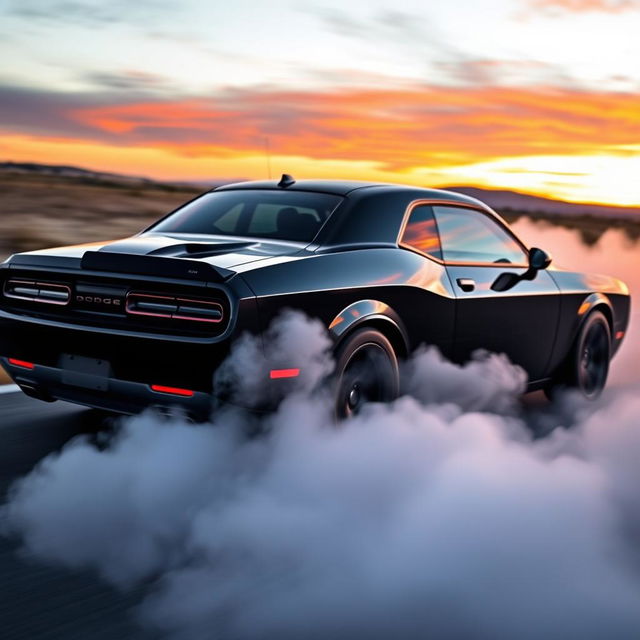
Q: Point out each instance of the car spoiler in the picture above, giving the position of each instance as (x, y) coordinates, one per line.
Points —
(153, 266)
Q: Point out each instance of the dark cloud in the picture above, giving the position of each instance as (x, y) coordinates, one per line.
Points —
(390, 26)
(87, 12)
(42, 112)
(49, 113)
(340, 22)
(415, 36)
(128, 81)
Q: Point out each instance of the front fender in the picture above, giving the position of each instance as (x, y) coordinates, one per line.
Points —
(616, 311)
(580, 313)
(588, 304)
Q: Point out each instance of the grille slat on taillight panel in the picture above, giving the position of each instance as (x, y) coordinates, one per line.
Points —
(33, 291)
(175, 308)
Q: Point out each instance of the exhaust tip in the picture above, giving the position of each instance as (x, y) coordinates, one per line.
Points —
(35, 392)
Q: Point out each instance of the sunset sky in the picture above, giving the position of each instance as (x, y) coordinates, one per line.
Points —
(541, 96)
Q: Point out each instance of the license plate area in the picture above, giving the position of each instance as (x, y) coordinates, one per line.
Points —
(89, 373)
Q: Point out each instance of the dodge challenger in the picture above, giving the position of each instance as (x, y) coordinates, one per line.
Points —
(148, 320)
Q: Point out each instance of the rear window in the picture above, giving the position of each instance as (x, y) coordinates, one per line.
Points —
(281, 215)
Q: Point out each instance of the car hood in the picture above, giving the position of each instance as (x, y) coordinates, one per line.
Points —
(225, 252)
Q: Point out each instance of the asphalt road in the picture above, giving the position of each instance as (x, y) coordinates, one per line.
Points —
(39, 601)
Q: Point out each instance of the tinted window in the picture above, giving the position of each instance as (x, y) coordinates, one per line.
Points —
(283, 215)
(421, 232)
(471, 236)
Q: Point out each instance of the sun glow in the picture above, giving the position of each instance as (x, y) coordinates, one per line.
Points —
(609, 178)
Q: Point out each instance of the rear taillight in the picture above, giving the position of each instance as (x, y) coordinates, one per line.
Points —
(23, 364)
(173, 391)
(45, 292)
(146, 304)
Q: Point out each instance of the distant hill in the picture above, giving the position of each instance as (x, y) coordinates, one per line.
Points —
(82, 174)
(66, 171)
(502, 200)
(506, 202)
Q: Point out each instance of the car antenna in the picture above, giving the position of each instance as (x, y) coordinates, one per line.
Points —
(286, 181)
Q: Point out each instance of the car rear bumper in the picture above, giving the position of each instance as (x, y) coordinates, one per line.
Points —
(112, 394)
(131, 363)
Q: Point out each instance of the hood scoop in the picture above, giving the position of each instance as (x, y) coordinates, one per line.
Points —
(200, 249)
(168, 247)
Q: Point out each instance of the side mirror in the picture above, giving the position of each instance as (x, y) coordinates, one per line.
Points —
(538, 259)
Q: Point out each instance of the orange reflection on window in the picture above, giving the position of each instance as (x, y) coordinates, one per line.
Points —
(421, 231)
(422, 235)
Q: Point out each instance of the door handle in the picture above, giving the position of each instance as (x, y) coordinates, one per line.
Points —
(466, 284)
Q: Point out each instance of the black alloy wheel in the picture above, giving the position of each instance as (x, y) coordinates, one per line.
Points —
(587, 366)
(366, 371)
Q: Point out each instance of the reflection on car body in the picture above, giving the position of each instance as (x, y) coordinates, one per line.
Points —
(384, 267)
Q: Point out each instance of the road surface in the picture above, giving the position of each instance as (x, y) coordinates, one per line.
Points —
(37, 601)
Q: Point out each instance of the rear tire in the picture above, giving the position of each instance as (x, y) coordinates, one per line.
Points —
(366, 371)
(587, 365)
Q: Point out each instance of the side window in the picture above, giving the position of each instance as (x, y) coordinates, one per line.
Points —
(471, 236)
(421, 232)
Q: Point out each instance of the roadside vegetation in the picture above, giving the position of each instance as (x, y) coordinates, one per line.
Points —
(39, 210)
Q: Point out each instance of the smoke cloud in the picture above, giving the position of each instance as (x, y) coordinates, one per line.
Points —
(440, 515)
(292, 342)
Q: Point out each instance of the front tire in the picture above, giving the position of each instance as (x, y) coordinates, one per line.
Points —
(587, 366)
(366, 371)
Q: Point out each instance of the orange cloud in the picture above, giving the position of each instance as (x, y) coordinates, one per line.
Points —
(577, 145)
(581, 6)
(400, 129)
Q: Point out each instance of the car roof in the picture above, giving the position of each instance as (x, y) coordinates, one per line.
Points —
(345, 187)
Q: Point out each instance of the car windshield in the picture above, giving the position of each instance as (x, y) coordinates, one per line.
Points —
(281, 215)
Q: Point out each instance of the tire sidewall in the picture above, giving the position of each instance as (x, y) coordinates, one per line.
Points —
(594, 318)
(349, 346)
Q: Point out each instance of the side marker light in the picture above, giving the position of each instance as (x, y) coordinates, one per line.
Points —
(284, 373)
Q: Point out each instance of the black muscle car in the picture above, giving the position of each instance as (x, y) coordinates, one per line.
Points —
(147, 320)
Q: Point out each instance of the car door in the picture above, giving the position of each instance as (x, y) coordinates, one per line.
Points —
(515, 314)
(427, 304)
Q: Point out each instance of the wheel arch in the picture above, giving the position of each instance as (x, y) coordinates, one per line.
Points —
(595, 302)
(375, 314)
(592, 302)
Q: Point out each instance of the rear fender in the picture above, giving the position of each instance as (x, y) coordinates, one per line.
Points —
(371, 312)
